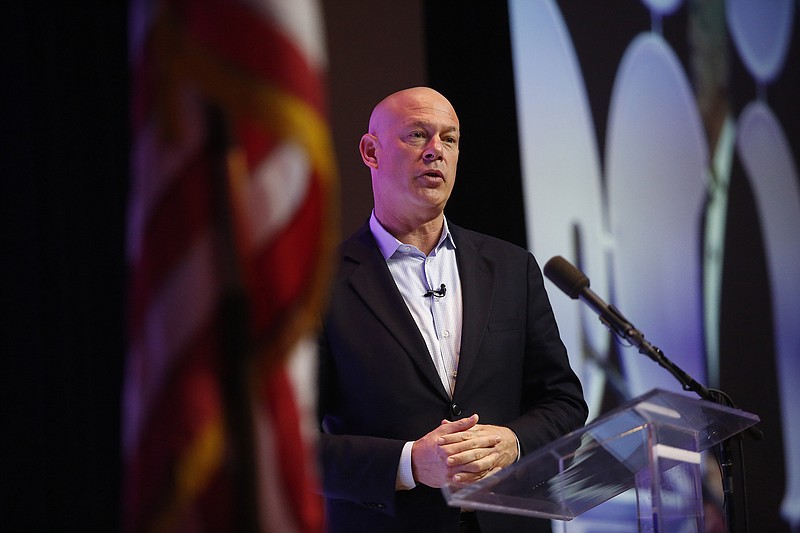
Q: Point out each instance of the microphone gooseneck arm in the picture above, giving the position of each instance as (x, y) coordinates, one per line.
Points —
(618, 324)
(575, 284)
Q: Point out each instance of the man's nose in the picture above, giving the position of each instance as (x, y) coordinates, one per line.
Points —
(434, 149)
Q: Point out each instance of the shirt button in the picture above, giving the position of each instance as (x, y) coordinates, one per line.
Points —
(446, 334)
(455, 410)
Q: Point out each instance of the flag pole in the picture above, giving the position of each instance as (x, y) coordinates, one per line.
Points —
(235, 361)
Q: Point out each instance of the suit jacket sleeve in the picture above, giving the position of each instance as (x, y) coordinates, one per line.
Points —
(552, 397)
(356, 468)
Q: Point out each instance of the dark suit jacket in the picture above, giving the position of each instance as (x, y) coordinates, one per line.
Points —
(379, 387)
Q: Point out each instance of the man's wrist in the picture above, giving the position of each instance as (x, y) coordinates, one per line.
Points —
(405, 473)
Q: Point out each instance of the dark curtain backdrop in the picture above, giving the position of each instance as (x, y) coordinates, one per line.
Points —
(65, 177)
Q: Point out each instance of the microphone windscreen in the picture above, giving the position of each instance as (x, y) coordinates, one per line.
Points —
(566, 276)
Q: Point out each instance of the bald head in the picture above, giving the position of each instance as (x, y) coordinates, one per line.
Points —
(401, 103)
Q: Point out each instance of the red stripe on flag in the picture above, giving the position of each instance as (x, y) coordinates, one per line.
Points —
(180, 216)
(255, 141)
(293, 457)
(187, 401)
(283, 269)
(245, 38)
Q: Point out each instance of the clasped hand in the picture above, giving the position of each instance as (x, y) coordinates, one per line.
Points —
(462, 452)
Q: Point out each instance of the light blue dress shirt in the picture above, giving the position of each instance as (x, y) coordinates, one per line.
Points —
(438, 318)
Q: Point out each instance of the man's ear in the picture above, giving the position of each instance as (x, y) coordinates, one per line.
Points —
(368, 146)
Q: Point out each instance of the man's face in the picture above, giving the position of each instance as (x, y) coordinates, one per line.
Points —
(416, 135)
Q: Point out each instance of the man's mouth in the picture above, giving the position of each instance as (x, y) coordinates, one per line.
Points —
(434, 174)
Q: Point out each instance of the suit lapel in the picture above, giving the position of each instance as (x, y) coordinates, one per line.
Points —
(371, 280)
(477, 290)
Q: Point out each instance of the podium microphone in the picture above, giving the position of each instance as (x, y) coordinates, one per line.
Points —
(576, 285)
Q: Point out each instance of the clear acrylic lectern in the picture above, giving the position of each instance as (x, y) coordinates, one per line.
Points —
(652, 444)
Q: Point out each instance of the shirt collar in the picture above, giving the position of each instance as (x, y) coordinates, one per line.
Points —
(388, 244)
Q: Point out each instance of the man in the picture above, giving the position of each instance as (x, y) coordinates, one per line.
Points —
(440, 359)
